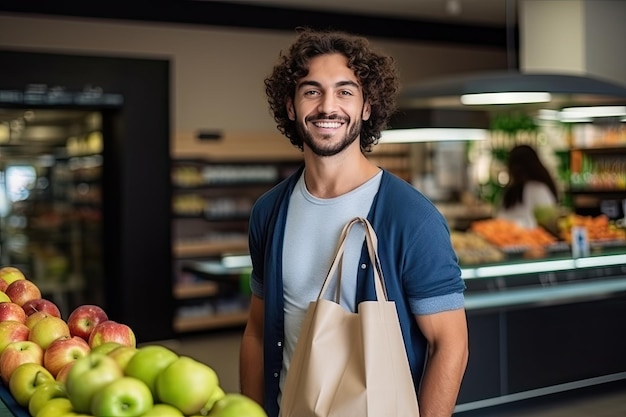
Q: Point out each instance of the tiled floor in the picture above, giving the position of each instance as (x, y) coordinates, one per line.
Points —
(221, 351)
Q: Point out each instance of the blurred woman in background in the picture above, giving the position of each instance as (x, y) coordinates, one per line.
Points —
(531, 197)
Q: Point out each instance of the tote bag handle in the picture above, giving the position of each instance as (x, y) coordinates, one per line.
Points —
(372, 248)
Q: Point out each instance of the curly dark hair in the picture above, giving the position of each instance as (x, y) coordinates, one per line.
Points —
(376, 73)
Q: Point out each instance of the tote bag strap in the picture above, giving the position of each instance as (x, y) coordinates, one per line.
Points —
(372, 248)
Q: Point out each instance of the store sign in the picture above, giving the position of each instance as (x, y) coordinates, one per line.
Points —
(44, 95)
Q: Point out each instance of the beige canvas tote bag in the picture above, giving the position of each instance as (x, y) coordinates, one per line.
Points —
(350, 364)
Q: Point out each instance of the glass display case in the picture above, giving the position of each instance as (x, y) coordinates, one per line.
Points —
(541, 326)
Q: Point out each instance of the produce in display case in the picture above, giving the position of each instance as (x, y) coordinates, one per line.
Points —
(91, 365)
(473, 249)
(511, 238)
(600, 230)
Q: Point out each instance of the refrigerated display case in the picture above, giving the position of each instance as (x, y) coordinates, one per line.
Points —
(85, 219)
(546, 325)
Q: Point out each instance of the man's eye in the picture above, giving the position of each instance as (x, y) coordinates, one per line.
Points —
(346, 93)
(311, 93)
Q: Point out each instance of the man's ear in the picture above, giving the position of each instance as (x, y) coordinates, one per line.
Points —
(290, 110)
(367, 111)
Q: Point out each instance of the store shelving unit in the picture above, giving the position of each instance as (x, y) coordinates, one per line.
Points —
(215, 183)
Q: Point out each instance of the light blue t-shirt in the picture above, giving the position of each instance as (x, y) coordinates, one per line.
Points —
(311, 235)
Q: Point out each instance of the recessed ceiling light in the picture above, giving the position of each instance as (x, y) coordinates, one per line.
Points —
(431, 135)
(570, 113)
(505, 98)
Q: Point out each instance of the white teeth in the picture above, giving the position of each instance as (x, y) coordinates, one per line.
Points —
(328, 125)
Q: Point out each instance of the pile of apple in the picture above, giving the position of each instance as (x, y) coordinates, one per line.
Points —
(89, 365)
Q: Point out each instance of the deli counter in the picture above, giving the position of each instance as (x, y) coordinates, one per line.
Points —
(542, 319)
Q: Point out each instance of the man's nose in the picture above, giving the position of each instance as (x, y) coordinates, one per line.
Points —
(328, 104)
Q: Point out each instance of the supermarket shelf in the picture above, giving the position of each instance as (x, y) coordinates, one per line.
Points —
(188, 249)
(209, 322)
(195, 290)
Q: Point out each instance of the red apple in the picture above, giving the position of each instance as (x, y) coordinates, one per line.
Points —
(17, 353)
(12, 331)
(62, 351)
(12, 312)
(22, 290)
(112, 331)
(62, 374)
(9, 274)
(41, 304)
(47, 330)
(84, 318)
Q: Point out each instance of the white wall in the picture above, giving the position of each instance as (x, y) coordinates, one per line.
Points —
(582, 37)
(217, 79)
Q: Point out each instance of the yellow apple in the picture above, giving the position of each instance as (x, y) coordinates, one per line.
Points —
(47, 330)
(9, 274)
(25, 379)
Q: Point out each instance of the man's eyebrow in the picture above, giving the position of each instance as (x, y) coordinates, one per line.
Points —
(312, 83)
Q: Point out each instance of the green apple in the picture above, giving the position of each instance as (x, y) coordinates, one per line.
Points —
(163, 410)
(148, 363)
(236, 405)
(44, 393)
(105, 348)
(55, 407)
(124, 397)
(122, 355)
(25, 379)
(89, 375)
(186, 384)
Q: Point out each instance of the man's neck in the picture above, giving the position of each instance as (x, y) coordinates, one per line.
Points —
(330, 177)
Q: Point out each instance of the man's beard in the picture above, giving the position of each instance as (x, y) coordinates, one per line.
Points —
(330, 149)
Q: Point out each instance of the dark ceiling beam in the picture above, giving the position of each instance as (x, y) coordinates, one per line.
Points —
(216, 13)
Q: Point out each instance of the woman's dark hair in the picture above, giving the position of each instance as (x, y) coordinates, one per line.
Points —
(376, 73)
(524, 165)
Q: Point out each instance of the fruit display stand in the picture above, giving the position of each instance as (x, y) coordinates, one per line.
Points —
(8, 406)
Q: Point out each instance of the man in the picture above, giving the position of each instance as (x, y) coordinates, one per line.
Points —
(332, 95)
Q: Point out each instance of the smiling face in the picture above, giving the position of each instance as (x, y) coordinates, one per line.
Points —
(328, 106)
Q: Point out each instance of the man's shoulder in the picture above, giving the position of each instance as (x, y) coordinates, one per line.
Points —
(269, 200)
(395, 189)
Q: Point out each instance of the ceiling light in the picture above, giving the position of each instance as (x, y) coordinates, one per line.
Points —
(592, 112)
(564, 90)
(506, 97)
(431, 135)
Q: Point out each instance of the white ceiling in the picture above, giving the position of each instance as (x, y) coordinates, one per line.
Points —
(490, 12)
